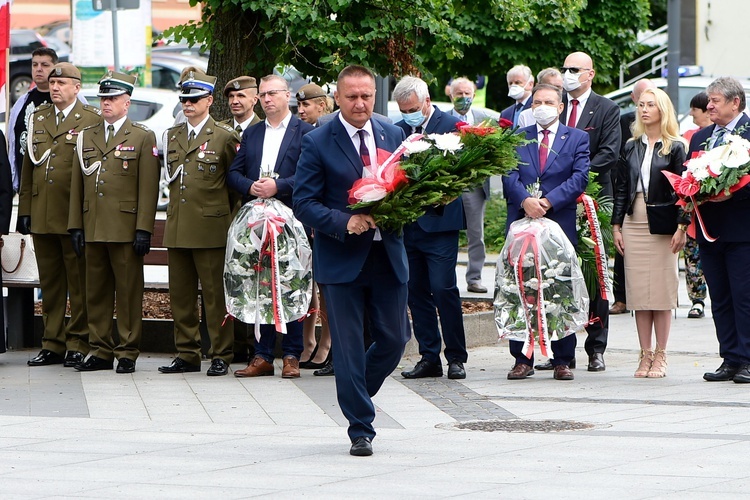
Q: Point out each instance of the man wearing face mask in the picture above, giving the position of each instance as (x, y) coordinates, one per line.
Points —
(558, 158)
(520, 83)
(432, 248)
(462, 91)
(551, 76)
(586, 110)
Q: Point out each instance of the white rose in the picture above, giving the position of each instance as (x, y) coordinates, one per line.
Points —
(416, 146)
(447, 142)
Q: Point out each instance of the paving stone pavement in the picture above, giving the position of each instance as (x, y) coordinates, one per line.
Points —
(65, 434)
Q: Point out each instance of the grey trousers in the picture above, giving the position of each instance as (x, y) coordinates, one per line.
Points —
(474, 202)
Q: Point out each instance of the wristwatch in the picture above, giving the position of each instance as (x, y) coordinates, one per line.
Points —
(682, 227)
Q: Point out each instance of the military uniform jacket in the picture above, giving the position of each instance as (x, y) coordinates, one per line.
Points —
(47, 166)
(114, 188)
(230, 122)
(199, 212)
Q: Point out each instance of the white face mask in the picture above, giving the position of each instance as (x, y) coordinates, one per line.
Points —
(544, 115)
(516, 92)
(570, 81)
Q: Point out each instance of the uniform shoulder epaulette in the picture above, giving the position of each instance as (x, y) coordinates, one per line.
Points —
(43, 107)
(224, 126)
(92, 109)
(91, 126)
(141, 126)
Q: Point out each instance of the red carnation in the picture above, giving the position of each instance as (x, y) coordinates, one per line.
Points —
(504, 123)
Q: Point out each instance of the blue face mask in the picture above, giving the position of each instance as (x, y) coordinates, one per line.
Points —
(413, 119)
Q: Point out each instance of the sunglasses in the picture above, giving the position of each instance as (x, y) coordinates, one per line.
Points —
(193, 100)
(573, 69)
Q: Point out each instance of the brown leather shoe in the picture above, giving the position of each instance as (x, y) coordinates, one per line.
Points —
(563, 372)
(520, 371)
(618, 308)
(291, 367)
(258, 367)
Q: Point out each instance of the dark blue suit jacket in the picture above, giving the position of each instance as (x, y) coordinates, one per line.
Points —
(245, 168)
(328, 167)
(451, 216)
(724, 220)
(508, 112)
(565, 177)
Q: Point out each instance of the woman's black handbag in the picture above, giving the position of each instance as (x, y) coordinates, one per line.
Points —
(662, 218)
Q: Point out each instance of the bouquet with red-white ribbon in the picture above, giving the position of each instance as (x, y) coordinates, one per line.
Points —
(712, 175)
(433, 170)
(268, 266)
(540, 294)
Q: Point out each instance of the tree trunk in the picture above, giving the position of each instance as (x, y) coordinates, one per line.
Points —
(237, 50)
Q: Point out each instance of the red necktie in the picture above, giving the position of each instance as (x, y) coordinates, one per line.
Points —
(364, 153)
(573, 113)
(543, 150)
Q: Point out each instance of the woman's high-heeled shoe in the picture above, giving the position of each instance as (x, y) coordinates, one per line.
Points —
(318, 366)
(659, 366)
(644, 365)
(305, 364)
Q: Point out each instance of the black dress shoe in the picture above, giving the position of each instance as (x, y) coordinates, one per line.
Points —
(73, 358)
(547, 365)
(218, 367)
(456, 370)
(45, 357)
(424, 369)
(179, 365)
(94, 364)
(596, 362)
(361, 447)
(743, 375)
(326, 371)
(125, 365)
(725, 372)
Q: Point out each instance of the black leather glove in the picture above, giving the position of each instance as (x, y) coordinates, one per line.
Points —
(142, 243)
(23, 224)
(76, 236)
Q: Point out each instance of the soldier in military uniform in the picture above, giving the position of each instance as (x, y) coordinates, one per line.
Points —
(43, 211)
(197, 156)
(112, 209)
(242, 95)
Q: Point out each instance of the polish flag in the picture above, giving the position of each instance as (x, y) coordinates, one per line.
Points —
(4, 51)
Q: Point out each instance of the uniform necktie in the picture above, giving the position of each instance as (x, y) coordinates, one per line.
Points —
(543, 150)
(364, 153)
(110, 134)
(60, 117)
(719, 137)
(573, 118)
(238, 129)
(191, 137)
(517, 113)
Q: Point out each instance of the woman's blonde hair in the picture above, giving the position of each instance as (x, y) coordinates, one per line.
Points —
(669, 128)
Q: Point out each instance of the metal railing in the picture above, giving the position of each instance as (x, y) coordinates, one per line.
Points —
(658, 57)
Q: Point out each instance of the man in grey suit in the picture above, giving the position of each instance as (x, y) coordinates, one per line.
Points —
(462, 95)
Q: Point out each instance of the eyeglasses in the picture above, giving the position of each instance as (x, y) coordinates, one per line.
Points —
(271, 93)
(193, 100)
(573, 69)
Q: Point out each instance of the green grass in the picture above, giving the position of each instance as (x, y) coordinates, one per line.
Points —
(494, 225)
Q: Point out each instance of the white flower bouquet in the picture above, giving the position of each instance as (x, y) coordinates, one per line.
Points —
(268, 266)
(540, 292)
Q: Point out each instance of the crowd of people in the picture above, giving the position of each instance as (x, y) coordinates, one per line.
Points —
(87, 181)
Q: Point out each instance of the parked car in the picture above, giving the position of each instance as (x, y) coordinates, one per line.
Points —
(167, 66)
(689, 86)
(154, 108)
(22, 44)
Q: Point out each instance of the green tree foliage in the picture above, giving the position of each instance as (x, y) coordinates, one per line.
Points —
(539, 33)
